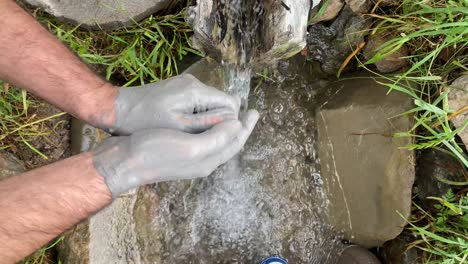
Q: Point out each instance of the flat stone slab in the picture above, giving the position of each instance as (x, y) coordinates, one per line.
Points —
(106, 14)
(368, 174)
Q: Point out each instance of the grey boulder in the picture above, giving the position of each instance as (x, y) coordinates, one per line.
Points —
(368, 174)
(331, 11)
(330, 44)
(106, 14)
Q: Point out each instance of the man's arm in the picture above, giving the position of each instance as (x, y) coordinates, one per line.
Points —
(40, 204)
(32, 58)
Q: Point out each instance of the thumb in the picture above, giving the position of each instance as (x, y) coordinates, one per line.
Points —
(248, 120)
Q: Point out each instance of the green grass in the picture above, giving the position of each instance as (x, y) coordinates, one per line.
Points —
(146, 52)
(436, 33)
(442, 231)
(40, 256)
(19, 122)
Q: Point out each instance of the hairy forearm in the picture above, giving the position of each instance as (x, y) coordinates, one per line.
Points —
(32, 58)
(40, 204)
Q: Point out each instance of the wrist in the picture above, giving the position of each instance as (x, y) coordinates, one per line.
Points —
(97, 108)
(110, 162)
(95, 182)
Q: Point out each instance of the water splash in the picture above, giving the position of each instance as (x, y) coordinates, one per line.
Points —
(237, 82)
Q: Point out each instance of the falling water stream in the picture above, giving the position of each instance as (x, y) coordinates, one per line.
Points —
(237, 82)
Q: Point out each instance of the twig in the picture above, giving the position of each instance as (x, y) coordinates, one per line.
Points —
(451, 116)
(350, 56)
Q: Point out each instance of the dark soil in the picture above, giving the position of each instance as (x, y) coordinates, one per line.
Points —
(55, 145)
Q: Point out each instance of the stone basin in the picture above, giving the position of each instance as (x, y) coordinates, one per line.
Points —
(288, 193)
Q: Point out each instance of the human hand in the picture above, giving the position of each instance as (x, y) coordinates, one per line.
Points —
(182, 103)
(157, 155)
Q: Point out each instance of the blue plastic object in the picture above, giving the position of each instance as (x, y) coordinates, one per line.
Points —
(274, 260)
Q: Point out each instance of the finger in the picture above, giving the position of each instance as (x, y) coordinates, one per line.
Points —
(217, 138)
(197, 123)
(205, 98)
(249, 120)
(213, 98)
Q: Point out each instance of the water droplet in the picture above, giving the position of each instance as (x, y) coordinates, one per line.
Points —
(278, 108)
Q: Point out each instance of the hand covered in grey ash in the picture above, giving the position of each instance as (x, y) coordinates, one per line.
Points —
(182, 103)
(157, 155)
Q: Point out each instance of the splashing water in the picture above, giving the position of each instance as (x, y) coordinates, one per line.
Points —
(237, 83)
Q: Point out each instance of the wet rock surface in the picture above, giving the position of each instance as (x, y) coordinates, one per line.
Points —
(368, 174)
(9, 165)
(74, 248)
(105, 14)
(359, 6)
(330, 44)
(269, 200)
(458, 101)
(433, 167)
(353, 254)
(397, 251)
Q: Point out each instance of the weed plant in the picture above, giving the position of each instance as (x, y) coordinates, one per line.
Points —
(41, 256)
(436, 33)
(20, 121)
(442, 231)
